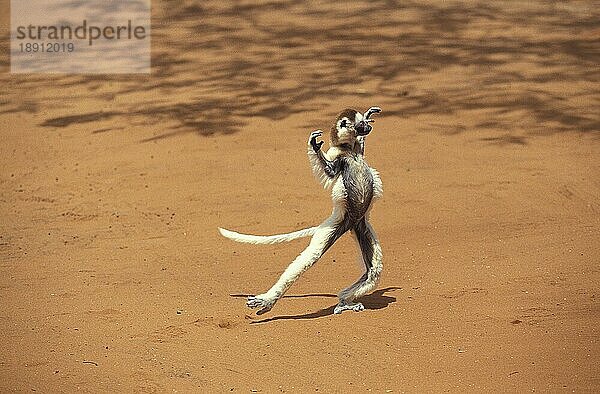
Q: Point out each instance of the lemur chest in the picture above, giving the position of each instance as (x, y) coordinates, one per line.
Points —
(358, 184)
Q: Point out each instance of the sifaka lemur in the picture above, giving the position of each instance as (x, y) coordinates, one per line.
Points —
(354, 186)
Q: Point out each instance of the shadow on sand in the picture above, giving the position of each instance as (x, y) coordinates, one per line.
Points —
(373, 301)
(215, 65)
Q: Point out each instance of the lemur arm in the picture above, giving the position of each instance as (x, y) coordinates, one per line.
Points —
(360, 145)
(324, 169)
(330, 167)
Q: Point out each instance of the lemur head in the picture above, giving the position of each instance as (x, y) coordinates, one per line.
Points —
(351, 124)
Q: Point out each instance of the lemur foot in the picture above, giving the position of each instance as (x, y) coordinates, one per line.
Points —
(260, 301)
(357, 307)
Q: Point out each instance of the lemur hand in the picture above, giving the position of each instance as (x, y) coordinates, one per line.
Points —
(313, 140)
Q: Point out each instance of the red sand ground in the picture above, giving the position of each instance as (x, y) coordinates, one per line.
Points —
(114, 278)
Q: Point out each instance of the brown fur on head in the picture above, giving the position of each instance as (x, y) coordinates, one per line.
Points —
(342, 131)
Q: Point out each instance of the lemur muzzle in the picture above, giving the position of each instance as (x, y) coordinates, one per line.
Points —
(363, 128)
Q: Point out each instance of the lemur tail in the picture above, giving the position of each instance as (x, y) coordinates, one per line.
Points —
(267, 239)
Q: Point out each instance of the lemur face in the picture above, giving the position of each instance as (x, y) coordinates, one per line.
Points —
(349, 125)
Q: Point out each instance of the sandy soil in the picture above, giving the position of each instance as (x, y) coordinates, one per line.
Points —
(114, 278)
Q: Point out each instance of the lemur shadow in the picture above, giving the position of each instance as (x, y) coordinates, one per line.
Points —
(373, 301)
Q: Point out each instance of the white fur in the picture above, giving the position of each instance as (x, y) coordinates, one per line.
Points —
(267, 239)
(377, 184)
(317, 168)
(300, 264)
(321, 235)
(362, 287)
(344, 134)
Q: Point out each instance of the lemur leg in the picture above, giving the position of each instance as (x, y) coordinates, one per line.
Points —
(326, 234)
(372, 257)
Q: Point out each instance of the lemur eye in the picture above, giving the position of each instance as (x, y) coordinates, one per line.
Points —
(343, 123)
